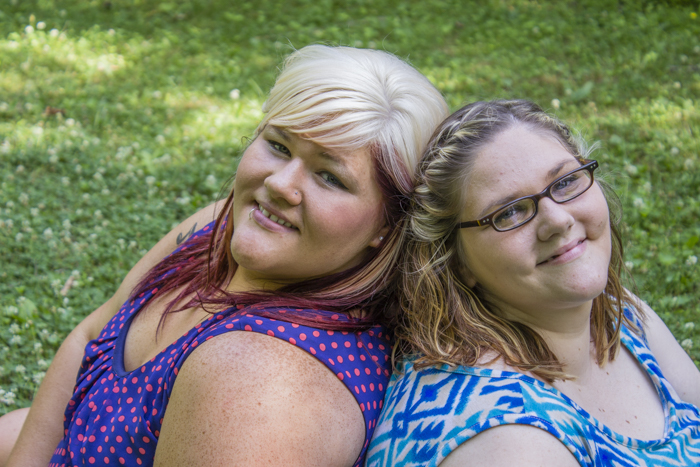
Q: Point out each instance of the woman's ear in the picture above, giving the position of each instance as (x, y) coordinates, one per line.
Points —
(379, 238)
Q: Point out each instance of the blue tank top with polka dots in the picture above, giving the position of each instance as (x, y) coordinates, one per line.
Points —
(115, 416)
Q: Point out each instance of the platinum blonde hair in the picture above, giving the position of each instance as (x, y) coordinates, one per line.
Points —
(349, 99)
(442, 318)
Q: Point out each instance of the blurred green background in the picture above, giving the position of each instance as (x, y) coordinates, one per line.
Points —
(120, 118)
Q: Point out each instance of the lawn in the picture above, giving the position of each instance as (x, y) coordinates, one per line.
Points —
(120, 118)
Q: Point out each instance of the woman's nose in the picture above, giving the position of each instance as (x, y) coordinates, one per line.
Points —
(552, 218)
(285, 182)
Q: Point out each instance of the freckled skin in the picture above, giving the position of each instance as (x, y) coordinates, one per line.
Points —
(272, 391)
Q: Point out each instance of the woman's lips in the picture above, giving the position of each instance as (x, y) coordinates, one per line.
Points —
(268, 219)
(274, 218)
(567, 253)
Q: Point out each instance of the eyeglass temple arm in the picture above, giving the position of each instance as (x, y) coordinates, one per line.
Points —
(478, 223)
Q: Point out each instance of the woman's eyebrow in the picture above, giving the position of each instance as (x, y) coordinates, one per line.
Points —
(551, 175)
(333, 158)
(279, 132)
(497, 204)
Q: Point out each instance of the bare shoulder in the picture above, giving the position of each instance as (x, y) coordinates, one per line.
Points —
(508, 445)
(675, 364)
(245, 398)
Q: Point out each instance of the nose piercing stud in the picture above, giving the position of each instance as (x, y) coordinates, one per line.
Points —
(381, 239)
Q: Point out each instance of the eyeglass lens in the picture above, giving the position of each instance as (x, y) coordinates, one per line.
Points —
(562, 190)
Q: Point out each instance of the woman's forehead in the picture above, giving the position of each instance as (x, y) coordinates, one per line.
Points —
(518, 162)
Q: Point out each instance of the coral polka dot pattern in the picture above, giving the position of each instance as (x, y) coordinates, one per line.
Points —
(115, 416)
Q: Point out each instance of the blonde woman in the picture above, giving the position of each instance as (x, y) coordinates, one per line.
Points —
(261, 339)
(523, 348)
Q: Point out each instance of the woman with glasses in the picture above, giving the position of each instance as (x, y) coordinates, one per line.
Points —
(521, 346)
(260, 340)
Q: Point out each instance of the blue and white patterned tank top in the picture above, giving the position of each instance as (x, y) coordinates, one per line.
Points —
(428, 413)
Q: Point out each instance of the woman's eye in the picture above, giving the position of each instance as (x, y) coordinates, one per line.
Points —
(331, 179)
(567, 184)
(512, 215)
(279, 147)
(508, 213)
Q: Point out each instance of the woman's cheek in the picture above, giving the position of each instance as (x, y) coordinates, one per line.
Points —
(600, 215)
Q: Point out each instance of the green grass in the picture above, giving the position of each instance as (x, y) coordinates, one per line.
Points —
(150, 127)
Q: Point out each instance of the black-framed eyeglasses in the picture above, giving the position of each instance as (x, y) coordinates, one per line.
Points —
(523, 210)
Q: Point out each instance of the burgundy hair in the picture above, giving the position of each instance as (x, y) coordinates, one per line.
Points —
(204, 264)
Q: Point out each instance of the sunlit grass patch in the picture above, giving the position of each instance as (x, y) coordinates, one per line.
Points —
(119, 119)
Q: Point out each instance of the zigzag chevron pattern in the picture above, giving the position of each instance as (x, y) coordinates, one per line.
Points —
(429, 412)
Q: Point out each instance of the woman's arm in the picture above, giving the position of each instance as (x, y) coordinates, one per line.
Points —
(674, 362)
(245, 398)
(43, 428)
(10, 425)
(509, 445)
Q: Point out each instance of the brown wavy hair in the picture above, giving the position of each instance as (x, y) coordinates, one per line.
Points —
(442, 319)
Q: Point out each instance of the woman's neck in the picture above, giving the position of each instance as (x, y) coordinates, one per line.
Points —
(574, 349)
(567, 332)
(239, 283)
(244, 280)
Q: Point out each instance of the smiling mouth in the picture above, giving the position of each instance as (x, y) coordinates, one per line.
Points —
(274, 218)
(557, 256)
